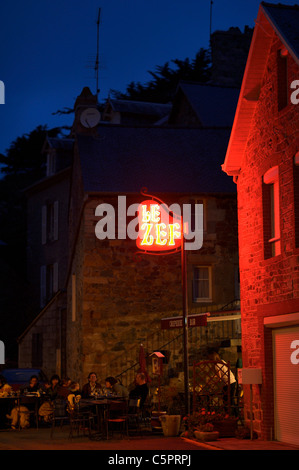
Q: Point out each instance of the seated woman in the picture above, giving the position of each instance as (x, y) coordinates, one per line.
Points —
(118, 389)
(32, 387)
(92, 387)
(51, 388)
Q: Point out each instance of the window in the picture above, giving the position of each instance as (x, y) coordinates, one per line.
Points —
(271, 213)
(37, 350)
(282, 79)
(48, 282)
(202, 284)
(50, 222)
(51, 164)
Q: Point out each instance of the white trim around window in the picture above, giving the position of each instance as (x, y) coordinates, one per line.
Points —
(271, 177)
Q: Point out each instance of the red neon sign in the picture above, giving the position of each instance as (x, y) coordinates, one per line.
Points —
(159, 229)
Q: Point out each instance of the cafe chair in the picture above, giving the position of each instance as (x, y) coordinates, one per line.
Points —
(117, 418)
(31, 404)
(60, 414)
(81, 421)
(134, 415)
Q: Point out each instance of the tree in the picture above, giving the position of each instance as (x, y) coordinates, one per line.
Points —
(162, 87)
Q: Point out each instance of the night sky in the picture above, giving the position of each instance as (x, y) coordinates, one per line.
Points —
(48, 49)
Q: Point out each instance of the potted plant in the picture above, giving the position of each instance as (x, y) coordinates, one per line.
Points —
(202, 425)
(171, 421)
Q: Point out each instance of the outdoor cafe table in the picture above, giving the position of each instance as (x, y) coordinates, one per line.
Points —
(16, 400)
(101, 405)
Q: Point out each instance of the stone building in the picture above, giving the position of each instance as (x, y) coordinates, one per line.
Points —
(117, 298)
(262, 157)
(111, 299)
(47, 259)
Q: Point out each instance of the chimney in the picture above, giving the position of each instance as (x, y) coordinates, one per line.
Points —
(229, 51)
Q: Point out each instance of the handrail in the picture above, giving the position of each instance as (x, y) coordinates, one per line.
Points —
(154, 336)
(148, 354)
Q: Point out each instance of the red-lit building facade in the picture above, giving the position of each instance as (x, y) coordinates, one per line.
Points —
(263, 158)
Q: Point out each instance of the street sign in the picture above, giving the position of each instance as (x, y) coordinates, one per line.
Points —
(178, 322)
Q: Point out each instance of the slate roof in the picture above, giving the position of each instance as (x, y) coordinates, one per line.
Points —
(214, 105)
(140, 107)
(165, 160)
(285, 20)
(60, 144)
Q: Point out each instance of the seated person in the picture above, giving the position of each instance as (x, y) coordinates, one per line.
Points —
(92, 387)
(63, 389)
(32, 387)
(74, 396)
(51, 388)
(5, 389)
(141, 389)
(115, 387)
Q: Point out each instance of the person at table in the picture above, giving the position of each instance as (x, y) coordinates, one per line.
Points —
(51, 388)
(141, 389)
(63, 389)
(32, 387)
(116, 388)
(5, 389)
(92, 387)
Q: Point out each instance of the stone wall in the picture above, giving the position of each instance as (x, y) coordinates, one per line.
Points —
(121, 296)
(49, 325)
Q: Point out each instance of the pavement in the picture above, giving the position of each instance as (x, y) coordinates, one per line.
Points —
(40, 439)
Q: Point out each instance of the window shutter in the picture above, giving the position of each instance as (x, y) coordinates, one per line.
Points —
(44, 225)
(56, 216)
(43, 280)
(55, 277)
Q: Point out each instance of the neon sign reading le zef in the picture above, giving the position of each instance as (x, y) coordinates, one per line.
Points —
(159, 230)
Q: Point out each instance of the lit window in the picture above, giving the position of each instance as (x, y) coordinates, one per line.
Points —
(271, 213)
(202, 285)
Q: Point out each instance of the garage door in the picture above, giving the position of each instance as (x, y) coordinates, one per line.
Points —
(286, 384)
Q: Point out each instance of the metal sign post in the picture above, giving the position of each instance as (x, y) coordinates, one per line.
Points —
(185, 322)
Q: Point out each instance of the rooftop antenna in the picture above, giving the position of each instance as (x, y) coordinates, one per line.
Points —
(97, 58)
(211, 8)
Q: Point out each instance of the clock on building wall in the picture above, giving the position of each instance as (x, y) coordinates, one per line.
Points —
(90, 117)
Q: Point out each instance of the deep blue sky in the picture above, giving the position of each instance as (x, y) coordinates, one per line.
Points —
(46, 47)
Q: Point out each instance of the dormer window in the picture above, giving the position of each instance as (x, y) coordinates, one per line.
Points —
(51, 164)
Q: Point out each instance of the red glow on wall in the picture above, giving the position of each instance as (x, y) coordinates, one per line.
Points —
(159, 229)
